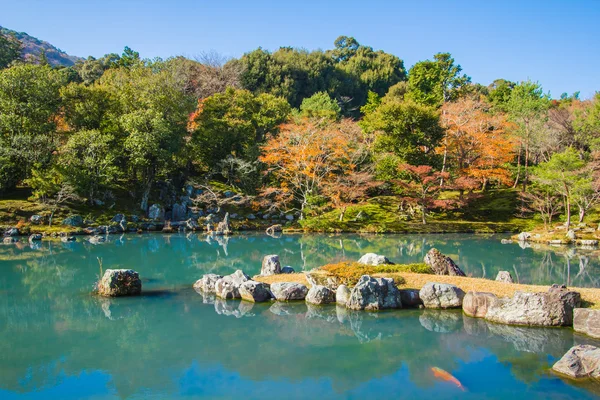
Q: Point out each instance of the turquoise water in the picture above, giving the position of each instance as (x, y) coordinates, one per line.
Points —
(59, 342)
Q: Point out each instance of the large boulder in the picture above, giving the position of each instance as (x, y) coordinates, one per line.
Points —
(410, 298)
(206, 284)
(256, 292)
(553, 308)
(320, 295)
(441, 264)
(476, 304)
(374, 294)
(73, 220)
(504, 276)
(156, 212)
(342, 295)
(524, 236)
(270, 265)
(120, 282)
(582, 361)
(587, 321)
(374, 259)
(441, 295)
(179, 212)
(287, 291)
(228, 286)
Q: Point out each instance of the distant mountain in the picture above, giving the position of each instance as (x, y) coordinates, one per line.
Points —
(32, 47)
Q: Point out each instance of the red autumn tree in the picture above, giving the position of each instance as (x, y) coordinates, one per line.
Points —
(422, 186)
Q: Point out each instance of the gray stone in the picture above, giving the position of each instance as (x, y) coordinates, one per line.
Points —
(206, 284)
(587, 321)
(476, 304)
(36, 237)
(192, 224)
(66, 239)
(410, 298)
(156, 212)
(179, 212)
(288, 270)
(571, 234)
(255, 291)
(118, 218)
(287, 291)
(12, 232)
(582, 361)
(250, 216)
(289, 217)
(228, 286)
(553, 308)
(270, 265)
(504, 276)
(524, 236)
(588, 242)
(228, 194)
(274, 229)
(374, 259)
(320, 295)
(120, 282)
(224, 227)
(342, 295)
(374, 294)
(97, 239)
(441, 264)
(74, 220)
(36, 219)
(441, 295)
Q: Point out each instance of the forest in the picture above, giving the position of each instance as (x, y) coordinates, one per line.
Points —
(314, 133)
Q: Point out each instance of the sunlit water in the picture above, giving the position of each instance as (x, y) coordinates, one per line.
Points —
(59, 342)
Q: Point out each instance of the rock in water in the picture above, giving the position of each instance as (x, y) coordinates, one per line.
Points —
(582, 361)
(224, 227)
(12, 232)
(286, 291)
(36, 219)
(374, 259)
(553, 308)
(270, 265)
(206, 284)
(120, 282)
(476, 304)
(441, 264)
(9, 240)
(228, 286)
(36, 237)
(587, 321)
(320, 295)
(255, 291)
(274, 229)
(342, 295)
(374, 294)
(571, 235)
(504, 276)
(524, 236)
(441, 295)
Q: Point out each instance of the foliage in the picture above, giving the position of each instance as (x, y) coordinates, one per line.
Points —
(10, 50)
(422, 185)
(320, 105)
(348, 273)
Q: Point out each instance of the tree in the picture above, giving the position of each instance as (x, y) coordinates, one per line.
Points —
(543, 199)
(320, 105)
(10, 50)
(499, 93)
(421, 183)
(304, 159)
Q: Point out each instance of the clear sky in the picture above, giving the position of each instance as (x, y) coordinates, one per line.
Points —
(554, 42)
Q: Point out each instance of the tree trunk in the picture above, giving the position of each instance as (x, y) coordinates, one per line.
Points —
(342, 214)
(484, 186)
(145, 197)
(518, 166)
(581, 214)
(525, 171)
(445, 158)
(423, 212)
(568, 206)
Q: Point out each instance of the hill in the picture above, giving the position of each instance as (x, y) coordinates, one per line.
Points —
(32, 47)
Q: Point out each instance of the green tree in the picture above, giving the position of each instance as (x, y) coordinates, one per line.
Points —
(10, 50)
(499, 93)
(89, 107)
(320, 105)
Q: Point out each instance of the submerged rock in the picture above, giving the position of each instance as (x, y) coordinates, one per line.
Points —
(66, 239)
(206, 284)
(255, 291)
(320, 295)
(441, 295)
(373, 294)
(374, 259)
(228, 286)
(12, 232)
(97, 239)
(504, 276)
(476, 304)
(274, 229)
(582, 361)
(287, 291)
(270, 265)
(120, 282)
(587, 321)
(441, 264)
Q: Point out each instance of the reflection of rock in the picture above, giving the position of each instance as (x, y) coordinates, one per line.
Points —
(504, 276)
(233, 308)
(10, 240)
(587, 321)
(441, 264)
(326, 313)
(270, 265)
(35, 245)
(476, 304)
(582, 361)
(442, 321)
(255, 292)
(373, 259)
(120, 282)
(207, 283)
(287, 291)
(524, 236)
(374, 294)
(36, 237)
(410, 298)
(342, 295)
(283, 308)
(366, 333)
(320, 295)
(341, 313)
(441, 295)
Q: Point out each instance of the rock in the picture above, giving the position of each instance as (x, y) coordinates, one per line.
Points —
(228, 194)
(36, 237)
(587, 321)
(206, 284)
(120, 282)
(320, 295)
(374, 294)
(270, 265)
(156, 212)
(66, 239)
(319, 277)
(74, 220)
(289, 217)
(228, 286)
(97, 239)
(506, 241)
(410, 298)
(36, 219)
(255, 291)
(553, 308)
(441, 295)
(286, 291)
(224, 227)
(118, 218)
(9, 240)
(192, 224)
(571, 234)
(288, 270)
(251, 216)
(524, 236)
(273, 229)
(504, 276)
(581, 361)
(588, 242)
(12, 232)
(441, 264)
(342, 295)
(374, 259)
(179, 212)
(476, 304)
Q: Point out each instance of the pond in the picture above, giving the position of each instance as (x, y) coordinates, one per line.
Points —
(59, 342)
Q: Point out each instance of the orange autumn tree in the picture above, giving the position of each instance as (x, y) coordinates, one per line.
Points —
(312, 158)
(477, 143)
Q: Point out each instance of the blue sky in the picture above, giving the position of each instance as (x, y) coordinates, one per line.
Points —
(554, 42)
